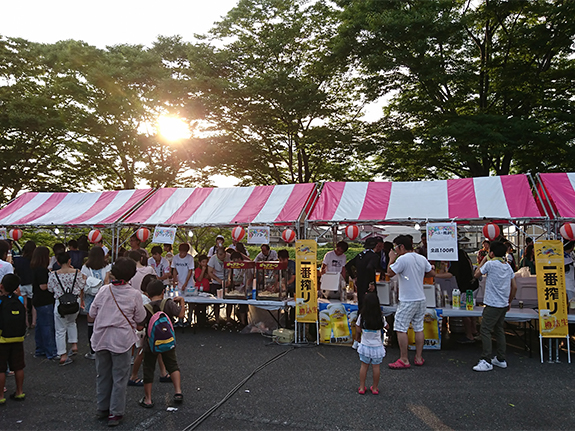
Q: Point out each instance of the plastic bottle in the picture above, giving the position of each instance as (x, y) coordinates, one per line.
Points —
(455, 298)
(438, 296)
(469, 300)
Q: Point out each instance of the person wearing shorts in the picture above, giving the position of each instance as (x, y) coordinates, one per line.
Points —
(410, 268)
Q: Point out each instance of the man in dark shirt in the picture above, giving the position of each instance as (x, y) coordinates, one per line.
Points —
(363, 267)
(76, 256)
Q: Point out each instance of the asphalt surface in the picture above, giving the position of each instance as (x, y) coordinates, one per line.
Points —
(309, 388)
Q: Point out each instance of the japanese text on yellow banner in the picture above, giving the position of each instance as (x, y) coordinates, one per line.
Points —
(551, 294)
(306, 281)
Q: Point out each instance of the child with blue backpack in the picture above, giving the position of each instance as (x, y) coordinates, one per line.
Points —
(160, 339)
(12, 332)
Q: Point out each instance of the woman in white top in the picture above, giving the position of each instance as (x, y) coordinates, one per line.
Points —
(66, 280)
(97, 268)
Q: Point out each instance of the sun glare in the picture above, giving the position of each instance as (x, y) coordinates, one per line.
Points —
(173, 128)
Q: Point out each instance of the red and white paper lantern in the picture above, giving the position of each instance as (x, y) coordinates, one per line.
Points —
(95, 236)
(352, 232)
(491, 231)
(568, 231)
(238, 233)
(16, 234)
(288, 235)
(143, 234)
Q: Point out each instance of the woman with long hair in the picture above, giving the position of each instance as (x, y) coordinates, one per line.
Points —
(67, 279)
(43, 302)
(22, 269)
(97, 268)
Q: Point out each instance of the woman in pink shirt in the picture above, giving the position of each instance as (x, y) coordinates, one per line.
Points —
(116, 310)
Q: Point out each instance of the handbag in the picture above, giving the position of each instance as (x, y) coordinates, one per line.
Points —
(93, 284)
(68, 302)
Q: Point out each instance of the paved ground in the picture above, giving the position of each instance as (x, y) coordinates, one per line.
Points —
(309, 388)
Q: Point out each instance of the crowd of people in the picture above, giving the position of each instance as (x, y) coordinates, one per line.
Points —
(124, 299)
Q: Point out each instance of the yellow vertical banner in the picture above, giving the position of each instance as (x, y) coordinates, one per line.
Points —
(551, 294)
(306, 281)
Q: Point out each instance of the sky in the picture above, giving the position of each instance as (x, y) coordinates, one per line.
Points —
(108, 22)
(111, 22)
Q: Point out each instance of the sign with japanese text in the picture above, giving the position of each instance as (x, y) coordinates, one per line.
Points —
(244, 264)
(431, 331)
(551, 295)
(258, 235)
(164, 235)
(306, 281)
(441, 241)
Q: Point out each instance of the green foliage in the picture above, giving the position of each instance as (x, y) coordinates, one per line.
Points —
(478, 87)
(276, 113)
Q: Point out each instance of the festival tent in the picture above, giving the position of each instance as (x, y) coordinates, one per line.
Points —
(281, 204)
(71, 209)
(557, 194)
(495, 198)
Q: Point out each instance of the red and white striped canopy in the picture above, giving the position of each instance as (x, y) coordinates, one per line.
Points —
(224, 206)
(74, 209)
(505, 197)
(560, 188)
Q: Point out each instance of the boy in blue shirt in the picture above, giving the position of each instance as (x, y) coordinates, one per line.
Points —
(12, 332)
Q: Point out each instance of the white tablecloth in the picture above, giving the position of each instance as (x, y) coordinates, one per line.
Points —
(513, 315)
(266, 305)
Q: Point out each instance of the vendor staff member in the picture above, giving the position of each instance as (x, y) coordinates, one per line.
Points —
(267, 254)
(334, 263)
(363, 267)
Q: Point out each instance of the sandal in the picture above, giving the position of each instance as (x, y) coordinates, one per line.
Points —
(68, 361)
(145, 405)
(178, 398)
(361, 391)
(398, 365)
(20, 397)
(166, 379)
(419, 363)
(136, 382)
(374, 391)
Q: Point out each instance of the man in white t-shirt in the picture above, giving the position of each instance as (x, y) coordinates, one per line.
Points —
(267, 254)
(183, 268)
(334, 263)
(411, 268)
(500, 288)
(5, 267)
(160, 265)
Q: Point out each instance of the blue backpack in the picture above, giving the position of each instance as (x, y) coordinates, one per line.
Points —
(160, 332)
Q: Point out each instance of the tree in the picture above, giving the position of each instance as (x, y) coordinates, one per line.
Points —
(36, 146)
(273, 112)
(475, 87)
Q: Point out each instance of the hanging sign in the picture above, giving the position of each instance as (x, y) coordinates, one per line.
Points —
(306, 281)
(258, 235)
(551, 294)
(3, 233)
(164, 235)
(442, 241)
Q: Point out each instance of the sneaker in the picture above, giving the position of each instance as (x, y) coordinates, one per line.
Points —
(483, 365)
(497, 363)
(89, 355)
(114, 421)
